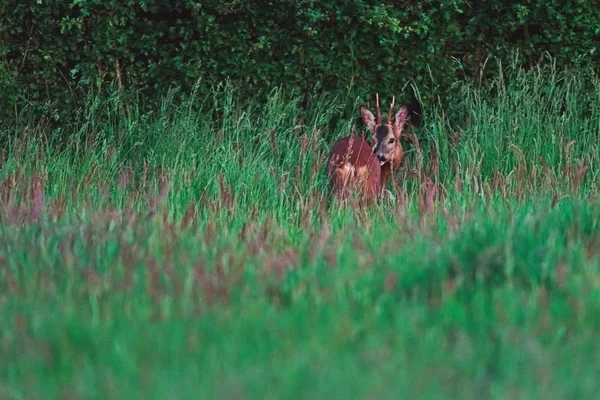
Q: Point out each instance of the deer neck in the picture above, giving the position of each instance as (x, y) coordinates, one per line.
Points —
(388, 169)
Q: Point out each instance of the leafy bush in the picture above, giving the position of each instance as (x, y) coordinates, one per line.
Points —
(55, 53)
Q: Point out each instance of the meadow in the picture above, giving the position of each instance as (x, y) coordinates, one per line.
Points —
(194, 252)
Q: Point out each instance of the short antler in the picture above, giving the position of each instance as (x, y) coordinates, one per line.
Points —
(378, 110)
(389, 117)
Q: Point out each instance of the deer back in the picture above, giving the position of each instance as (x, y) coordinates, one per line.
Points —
(352, 165)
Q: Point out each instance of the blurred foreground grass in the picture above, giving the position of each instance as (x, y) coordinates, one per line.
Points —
(192, 253)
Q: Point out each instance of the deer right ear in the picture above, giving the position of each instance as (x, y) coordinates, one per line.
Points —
(368, 117)
(401, 117)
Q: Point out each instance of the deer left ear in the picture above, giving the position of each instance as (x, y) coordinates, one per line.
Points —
(401, 117)
(367, 117)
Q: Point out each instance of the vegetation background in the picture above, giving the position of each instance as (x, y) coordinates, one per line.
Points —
(55, 54)
(166, 229)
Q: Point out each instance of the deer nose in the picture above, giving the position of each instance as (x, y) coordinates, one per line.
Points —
(380, 157)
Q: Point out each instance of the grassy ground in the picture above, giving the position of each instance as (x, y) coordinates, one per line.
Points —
(191, 253)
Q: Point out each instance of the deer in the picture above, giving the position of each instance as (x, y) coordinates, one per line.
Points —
(352, 166)
(355, 163)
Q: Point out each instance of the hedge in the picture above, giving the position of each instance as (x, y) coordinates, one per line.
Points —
(53, 53)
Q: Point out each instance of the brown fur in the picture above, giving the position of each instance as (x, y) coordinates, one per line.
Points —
(351, 165)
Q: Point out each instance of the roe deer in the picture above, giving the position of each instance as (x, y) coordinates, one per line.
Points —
(356, 163)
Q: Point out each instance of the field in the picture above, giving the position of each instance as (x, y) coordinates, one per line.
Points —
(194, 252)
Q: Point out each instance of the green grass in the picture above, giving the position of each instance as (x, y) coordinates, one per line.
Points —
(193, 253)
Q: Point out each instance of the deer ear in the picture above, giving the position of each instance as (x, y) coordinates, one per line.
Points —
(401, 117)
(368, 117)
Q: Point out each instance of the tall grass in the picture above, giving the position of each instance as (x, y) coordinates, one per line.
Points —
(193, 252)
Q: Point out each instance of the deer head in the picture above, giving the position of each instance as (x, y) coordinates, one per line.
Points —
(386, 136)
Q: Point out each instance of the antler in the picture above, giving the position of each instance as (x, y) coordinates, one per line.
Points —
(378, 110)
(389, 120)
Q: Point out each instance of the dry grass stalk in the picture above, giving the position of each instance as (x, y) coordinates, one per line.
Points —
(273, 142)
(578, 176)
(427, 198)
(401, 203)
(58, 208)
(434, 166)
(567, 150)
(319, 240)
(228, 199)
(282, 262)
(458, 182)
(163, 191)
(37, 199)
(550, 180)
(125, 178)
(189, 216)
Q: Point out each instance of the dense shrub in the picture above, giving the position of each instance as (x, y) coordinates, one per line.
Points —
(54, 53)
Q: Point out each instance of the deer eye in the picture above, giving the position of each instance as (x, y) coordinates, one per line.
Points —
(392, 140)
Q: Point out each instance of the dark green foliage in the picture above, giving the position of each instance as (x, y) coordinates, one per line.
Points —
(55, 53)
